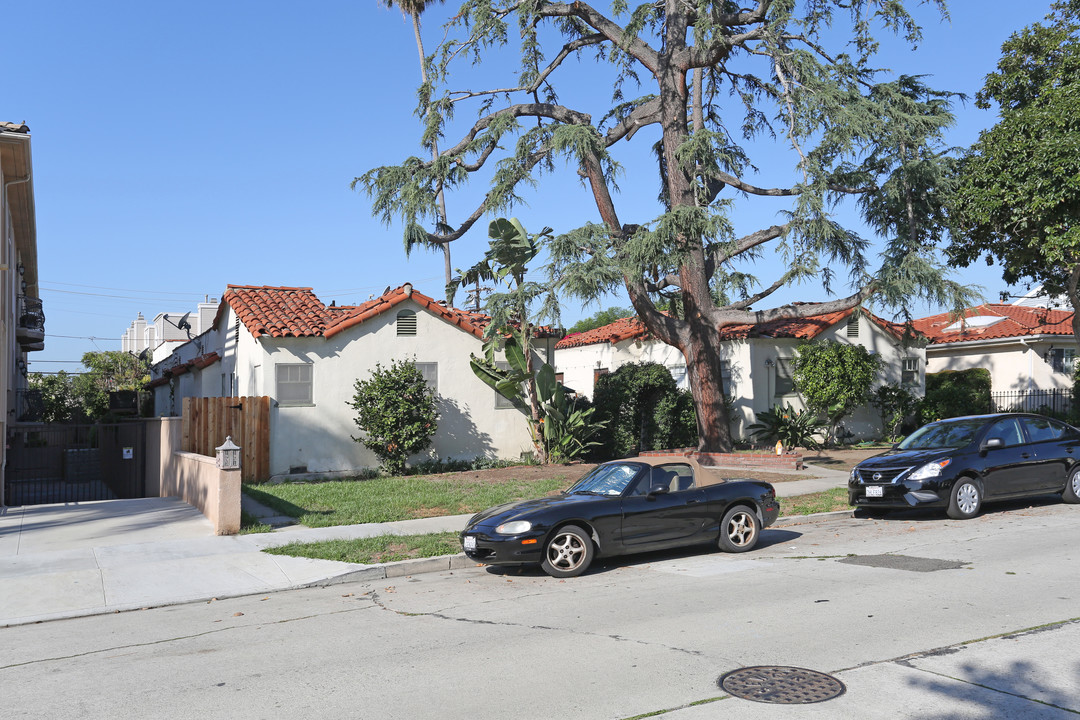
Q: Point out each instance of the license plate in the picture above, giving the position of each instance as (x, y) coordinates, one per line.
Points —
(470, 542)
(875, 491)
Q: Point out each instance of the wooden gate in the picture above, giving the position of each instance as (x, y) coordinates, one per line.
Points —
(208, 421)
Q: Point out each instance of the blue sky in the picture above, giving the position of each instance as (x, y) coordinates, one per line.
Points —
(178, 148)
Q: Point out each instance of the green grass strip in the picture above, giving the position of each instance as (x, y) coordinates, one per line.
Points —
(375, 550)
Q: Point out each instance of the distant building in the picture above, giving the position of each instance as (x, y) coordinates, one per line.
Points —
(168, 330)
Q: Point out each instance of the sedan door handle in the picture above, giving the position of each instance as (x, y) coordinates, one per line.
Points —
(1024, 455)
(692, 502)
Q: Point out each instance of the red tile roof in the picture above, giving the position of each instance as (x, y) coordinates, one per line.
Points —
(346, 317)
(297, 312)
(800, 329)
(277, 311)
(1016, 321)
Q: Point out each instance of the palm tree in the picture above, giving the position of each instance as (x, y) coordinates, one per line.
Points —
(414, 9)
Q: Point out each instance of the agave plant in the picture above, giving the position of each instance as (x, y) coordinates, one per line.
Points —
(793, 428)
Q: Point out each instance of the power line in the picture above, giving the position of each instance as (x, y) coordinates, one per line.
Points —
(100, 287)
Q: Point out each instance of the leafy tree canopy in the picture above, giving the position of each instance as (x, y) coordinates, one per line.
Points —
(703, 91)
(835, 378)
(1017, 197)
(600, 319)
(396, 410)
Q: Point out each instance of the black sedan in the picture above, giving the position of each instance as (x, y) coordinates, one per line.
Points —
(623, 507)
(958, 463)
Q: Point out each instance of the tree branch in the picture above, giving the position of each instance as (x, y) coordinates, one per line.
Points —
(634, 46)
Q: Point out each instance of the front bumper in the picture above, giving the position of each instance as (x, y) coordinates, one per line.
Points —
(898, 496)
(495, 549)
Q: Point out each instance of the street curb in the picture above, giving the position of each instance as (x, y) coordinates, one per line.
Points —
(443, 563)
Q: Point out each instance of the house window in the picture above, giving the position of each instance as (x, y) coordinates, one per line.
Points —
(725, 377)
(785, 383)
(853, 325)
(406, 323)
(228, 382)
(430, 371)
(599, 373)
(1062, 360)
(678, 374)
(909, 371)
(294, 383)
(500, 401)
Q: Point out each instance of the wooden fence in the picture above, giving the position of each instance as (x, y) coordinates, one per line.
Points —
(208, 421)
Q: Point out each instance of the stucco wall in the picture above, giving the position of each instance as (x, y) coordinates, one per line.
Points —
(317, 438)
(195, 479)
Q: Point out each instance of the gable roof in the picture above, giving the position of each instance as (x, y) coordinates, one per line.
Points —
(276, 311)
(298, 312)
(632, 328)
(350, 316)
(1001, 322)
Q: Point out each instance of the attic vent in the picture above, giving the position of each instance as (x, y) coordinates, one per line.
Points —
(406, 322)
(853, 325)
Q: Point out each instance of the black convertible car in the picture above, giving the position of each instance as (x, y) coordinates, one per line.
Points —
(625, 506)
(958, 463)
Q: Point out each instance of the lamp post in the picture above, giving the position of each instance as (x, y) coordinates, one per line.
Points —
(228, 455)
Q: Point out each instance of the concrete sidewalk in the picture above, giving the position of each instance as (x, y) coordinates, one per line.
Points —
(76, 559)
(61, 561)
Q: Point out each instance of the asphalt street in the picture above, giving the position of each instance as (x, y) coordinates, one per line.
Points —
(917, 616)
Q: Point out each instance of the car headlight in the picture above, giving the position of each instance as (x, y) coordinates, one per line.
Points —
(853, 475)
(514, 527)
(930, 470)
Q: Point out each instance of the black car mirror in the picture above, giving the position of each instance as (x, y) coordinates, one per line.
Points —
(658, 489)
(991, 443)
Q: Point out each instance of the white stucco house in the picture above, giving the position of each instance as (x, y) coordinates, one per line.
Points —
(284, 343)
(1026, 348)
(757, 360)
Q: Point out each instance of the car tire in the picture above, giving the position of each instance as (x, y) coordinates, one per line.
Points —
(965, 499)
(1071, 494)
(739, 530)
(870, 513)
(568, 552)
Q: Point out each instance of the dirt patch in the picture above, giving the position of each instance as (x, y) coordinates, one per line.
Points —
(841, 459)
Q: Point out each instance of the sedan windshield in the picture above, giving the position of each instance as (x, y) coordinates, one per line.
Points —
(946, 434)
(609, 479)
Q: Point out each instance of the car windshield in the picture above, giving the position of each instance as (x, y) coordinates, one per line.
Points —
(946, 434)
(608, 479)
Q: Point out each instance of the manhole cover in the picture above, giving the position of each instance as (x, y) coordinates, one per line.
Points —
(781, 685)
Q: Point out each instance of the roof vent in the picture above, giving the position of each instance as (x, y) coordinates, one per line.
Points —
(406, 322)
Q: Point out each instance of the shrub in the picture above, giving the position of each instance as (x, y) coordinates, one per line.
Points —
(395, 410)
(952, 393)
(835, 378)
(791, 427)
(896, 405)
(643, 409)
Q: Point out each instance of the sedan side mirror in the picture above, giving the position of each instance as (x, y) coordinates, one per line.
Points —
(991, 443)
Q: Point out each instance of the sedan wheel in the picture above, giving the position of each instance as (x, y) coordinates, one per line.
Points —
(568, 553)
(1072, 490)
(739, 530)
(965, 499)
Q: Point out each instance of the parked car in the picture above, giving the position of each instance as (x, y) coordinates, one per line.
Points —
(624, 506)
(959, 463)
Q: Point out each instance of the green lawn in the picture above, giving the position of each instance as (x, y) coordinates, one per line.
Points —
(387, 499)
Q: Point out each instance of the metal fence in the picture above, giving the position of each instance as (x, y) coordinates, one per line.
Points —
(1044, 402)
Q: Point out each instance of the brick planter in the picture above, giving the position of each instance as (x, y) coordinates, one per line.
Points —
(761, 461)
